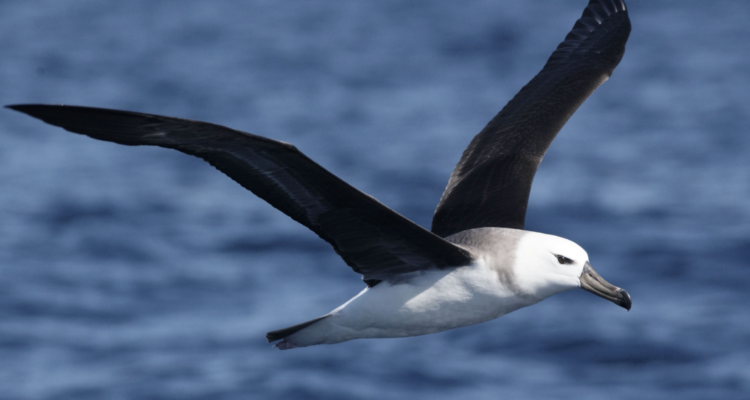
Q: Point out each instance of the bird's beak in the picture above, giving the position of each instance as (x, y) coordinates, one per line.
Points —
(592, 282)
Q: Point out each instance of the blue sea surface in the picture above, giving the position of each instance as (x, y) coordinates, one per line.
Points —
(143, 273)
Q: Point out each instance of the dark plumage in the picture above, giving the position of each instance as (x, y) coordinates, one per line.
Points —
(373, 239)
(490, 185)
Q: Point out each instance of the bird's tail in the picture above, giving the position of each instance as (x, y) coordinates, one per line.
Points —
(282, 333)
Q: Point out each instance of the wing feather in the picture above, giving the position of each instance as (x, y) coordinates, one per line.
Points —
(490, 186)
(374, 240)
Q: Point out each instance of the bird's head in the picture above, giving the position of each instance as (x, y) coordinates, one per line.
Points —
(547, 264)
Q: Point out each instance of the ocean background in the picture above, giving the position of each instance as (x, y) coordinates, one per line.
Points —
(142, 273)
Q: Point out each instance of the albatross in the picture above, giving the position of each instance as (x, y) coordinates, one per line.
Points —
(476, 263)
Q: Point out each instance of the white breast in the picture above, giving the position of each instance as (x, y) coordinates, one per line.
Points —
(430, 302)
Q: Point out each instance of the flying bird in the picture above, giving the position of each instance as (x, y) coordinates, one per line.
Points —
(476, 263)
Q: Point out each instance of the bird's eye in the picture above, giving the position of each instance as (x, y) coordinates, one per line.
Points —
(563, 259)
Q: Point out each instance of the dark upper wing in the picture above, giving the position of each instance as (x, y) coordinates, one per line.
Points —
(374, 240)
(490, 185)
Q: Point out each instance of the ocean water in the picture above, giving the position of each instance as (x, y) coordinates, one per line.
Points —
(143, 273)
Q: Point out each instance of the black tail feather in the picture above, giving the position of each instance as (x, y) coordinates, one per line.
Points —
(282, 333)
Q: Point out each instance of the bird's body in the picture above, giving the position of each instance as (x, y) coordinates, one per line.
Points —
(476, 263)
(502, 277)
(432, 300)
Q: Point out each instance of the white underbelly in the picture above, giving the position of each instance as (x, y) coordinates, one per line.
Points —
(431, 302)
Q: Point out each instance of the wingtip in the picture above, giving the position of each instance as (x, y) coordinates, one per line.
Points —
(619, 5)
(24, 108)
(39, 111)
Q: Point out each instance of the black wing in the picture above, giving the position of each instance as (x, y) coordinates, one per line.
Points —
(490, 185)
(374, 240)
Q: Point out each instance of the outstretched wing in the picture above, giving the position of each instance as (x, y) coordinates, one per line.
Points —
(374, 240)
(490, 185)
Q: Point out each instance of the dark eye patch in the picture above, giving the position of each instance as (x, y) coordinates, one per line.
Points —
(563, 259)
